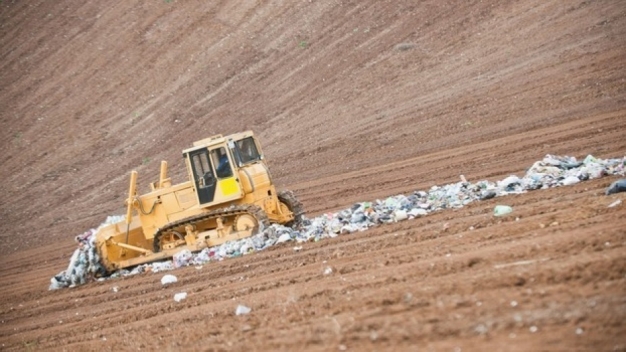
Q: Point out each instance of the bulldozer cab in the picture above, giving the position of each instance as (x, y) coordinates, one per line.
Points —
(212, 173)
(213, 164)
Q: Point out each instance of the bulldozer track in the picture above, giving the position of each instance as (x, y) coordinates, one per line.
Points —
(231, 211)
(289, 198)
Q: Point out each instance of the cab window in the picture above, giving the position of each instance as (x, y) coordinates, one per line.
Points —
(247, 150)
(220, 159)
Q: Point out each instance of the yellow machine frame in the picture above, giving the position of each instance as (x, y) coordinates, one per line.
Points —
(207, 210)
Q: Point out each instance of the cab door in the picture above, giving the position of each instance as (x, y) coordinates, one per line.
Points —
(203, 175)
(228, 187)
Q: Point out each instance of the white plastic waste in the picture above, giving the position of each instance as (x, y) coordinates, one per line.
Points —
(283, 238)
(501, 210)
(168, 279)
(161, 266)
(570, 180)
(415, 212)
(616, 203)
(242, 310)
(400, 215)
(182, 258)
(180, 296)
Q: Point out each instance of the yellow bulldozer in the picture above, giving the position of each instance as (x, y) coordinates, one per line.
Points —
(229, 195)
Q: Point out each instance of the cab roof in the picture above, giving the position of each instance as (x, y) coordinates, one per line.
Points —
(217, 139)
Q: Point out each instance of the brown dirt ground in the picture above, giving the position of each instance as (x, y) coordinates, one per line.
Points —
(353, 101)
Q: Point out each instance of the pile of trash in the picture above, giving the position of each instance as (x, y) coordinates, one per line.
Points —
(552, 171)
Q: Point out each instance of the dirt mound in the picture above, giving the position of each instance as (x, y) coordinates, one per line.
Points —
(353, 101)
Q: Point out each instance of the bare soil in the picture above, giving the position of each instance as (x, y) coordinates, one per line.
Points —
(353, 101)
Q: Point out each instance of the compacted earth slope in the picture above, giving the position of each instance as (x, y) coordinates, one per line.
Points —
(352, 101)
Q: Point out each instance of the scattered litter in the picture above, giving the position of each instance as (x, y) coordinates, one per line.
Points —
(521, 262)
(616, 203)
(328, 270)
(509, 183)
(85, 262)
(283, 238)
(551, 171)
(400, 215)
(182, 258)
(501, 210)
(242, 310)
(161, 266)
(488, 194)
(168, 279)
(415, 212)
(616, 187)
(180, 296)
(533, 329)
(579, 331)
(297, 248)
(115, 289)
(570, 180)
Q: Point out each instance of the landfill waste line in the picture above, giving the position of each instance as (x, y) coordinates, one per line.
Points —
(551, 171)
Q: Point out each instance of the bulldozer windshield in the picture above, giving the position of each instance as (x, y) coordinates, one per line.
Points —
(247, 151)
